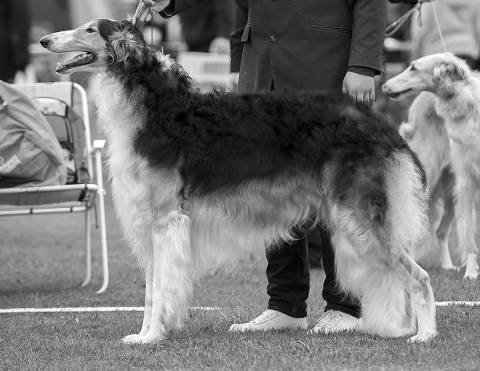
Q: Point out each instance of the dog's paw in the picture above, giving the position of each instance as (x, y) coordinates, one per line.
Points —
(424, 337)
(142, 339)
(470, 276)
(133, 339)
(152, 339)
(471, 271)
(451, 267)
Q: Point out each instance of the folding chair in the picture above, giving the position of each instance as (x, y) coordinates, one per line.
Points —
(56, 101)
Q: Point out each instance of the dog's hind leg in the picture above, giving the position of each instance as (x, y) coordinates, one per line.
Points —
(395, 292)
(386, 309)
(374, 224)
(441, 215)
(172, 281)
(421, 294)
(443, 231)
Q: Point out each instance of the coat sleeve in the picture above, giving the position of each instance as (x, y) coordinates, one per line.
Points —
(178, 6)
(236, 45)
(223, 13)
(368, 34)
(224, 10)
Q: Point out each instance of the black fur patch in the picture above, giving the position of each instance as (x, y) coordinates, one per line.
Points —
(222, 140)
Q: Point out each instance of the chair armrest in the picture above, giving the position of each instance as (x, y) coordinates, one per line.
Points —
(98, 144)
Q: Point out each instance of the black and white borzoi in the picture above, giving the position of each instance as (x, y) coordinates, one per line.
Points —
(201, 179)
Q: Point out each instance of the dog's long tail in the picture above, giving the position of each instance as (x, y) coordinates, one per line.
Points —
(374, 228)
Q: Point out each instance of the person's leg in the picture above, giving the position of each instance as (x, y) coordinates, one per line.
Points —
(335, 299)
(342, 312)
(288, 278)
(314, 242)
(288, 287)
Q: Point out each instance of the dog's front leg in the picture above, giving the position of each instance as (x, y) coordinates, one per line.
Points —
(147, 314)
(465, 211)
(171, 277)
(465, 229)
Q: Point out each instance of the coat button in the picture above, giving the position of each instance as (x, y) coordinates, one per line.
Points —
(273, 38)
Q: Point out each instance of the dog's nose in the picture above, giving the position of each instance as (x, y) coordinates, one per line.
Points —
(44, 41)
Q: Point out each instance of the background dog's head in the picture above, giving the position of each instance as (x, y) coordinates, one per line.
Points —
(100, 43)
(437, 73)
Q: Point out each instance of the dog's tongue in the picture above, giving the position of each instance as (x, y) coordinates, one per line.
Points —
(79, 60)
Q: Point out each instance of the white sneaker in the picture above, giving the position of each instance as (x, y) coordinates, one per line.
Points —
(270, 320)
(336, 321)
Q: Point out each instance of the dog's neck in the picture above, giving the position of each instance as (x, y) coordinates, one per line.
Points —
(458, 106)
(162, 82)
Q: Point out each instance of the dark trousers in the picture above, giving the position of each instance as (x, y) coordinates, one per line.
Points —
(288, 277)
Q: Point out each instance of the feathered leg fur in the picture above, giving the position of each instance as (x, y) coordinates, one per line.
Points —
(373, 258)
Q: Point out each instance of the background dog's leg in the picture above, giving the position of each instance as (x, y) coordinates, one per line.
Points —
(443, 231)
(421, 293)
(172, 275)
(464, 211)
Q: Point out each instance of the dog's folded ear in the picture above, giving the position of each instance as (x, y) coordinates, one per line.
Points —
(448, 70)
(124, 40)
(446, 74)
(126, 47)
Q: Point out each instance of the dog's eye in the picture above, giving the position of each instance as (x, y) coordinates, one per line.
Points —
(90, 30)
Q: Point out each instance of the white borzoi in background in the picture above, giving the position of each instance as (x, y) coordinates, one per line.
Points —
(458, 91)
(202, 179)
(426, 135)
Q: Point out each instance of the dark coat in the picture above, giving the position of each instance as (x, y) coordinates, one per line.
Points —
(305, 45)
(308, 44)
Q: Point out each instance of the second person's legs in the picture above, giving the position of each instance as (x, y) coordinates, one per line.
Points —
(288, 287)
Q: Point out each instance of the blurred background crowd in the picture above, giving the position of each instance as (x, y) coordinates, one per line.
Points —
(206, 28)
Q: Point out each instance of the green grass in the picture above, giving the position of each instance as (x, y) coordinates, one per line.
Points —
(41, 265)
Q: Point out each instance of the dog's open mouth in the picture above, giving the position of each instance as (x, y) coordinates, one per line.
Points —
(399, 94)
(79, 60)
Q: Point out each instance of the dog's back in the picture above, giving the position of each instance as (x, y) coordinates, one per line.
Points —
(225, 139)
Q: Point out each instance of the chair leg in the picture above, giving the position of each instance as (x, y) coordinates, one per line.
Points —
(103, 224)
(88, 242)
(103, 232)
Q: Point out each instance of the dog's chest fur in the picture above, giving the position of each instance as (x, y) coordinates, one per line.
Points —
(127, 170)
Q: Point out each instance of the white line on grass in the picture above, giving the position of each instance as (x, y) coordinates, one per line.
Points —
(140, 309)
(86, 309)
(450, 303)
